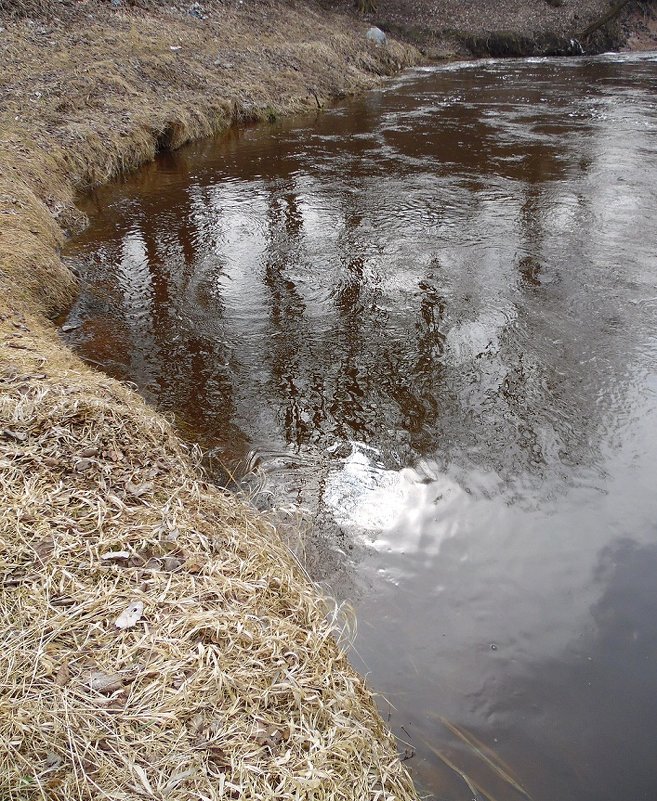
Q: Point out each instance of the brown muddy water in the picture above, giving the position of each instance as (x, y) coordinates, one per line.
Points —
(429, 317)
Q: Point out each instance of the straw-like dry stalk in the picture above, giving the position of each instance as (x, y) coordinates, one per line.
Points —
(228, 684)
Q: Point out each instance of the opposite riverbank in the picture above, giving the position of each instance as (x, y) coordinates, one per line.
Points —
(454, 29)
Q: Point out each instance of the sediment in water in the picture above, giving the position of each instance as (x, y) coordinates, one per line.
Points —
(231, 683)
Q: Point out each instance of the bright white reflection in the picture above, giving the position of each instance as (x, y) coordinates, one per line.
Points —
(366, 496)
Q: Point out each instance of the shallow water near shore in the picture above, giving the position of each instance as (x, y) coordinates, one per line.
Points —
(428, 317)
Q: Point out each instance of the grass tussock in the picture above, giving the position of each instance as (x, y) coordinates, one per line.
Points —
(229, 681)
(229, 684)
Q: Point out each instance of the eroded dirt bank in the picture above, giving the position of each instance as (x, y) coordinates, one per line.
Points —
(227, 681)
(453, 28)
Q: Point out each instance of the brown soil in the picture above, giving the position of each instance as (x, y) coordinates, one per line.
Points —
(450, 28)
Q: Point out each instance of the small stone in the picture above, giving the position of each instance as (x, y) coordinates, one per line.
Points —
(377, 36)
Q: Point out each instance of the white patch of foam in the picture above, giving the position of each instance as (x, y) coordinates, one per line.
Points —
(363, 494)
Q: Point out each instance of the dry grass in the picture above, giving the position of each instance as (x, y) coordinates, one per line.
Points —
(232, 683)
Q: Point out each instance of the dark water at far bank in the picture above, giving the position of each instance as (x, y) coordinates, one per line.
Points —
(432, 314)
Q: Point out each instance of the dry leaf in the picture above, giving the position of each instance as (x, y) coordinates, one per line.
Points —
(62, 600)
(63, 676)
(217, 755)
(141, 773)
(105, 682)
(118, 701)
(19, 435)
(175, 780)
(44, 549)
(117, 502)
(196, 724)
(115, 556)
(130, 616)
(138, 489)
(53, 761)
(173, 535)
(195, 564)
(271, 736)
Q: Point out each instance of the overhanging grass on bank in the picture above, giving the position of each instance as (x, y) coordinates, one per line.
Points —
(230, 684)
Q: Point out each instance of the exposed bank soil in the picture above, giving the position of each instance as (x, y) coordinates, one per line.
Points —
(451, 28)
(640, 27)
(230, 683)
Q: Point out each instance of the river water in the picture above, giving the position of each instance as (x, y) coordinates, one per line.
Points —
(428, 318)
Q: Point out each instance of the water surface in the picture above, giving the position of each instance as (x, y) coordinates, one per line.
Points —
(429, 316)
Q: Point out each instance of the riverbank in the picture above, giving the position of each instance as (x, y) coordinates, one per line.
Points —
(228, 679)
(230, 682)
(454, 29)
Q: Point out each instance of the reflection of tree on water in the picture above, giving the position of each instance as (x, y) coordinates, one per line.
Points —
(357, 379)
(284, 226)
(155, 343)
(461, 360)
(429, 370)
(356, 323)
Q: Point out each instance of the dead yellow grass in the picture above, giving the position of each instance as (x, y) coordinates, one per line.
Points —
(231, 682)
(229, 685)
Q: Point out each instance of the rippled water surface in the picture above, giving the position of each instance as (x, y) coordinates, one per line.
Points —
(431, 315)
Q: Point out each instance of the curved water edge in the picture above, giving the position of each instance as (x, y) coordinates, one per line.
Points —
(430, 311)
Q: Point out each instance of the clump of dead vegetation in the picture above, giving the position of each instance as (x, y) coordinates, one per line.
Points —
(158, 639)
(25, 8)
